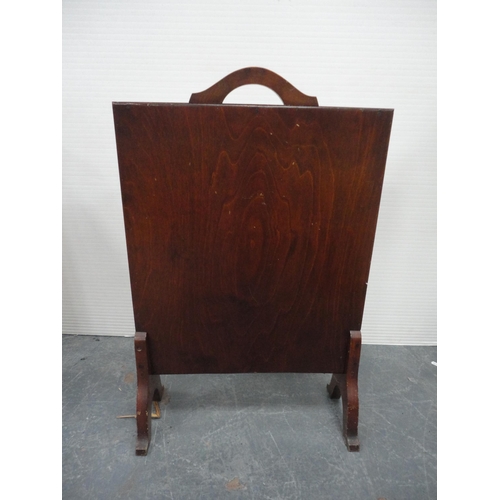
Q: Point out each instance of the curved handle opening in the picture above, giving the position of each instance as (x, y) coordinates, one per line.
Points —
(253, 75)
(253, 94)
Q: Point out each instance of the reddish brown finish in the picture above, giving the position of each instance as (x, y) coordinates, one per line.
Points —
(345, 385)
(149, 389)
(249, 229)
(286, 91)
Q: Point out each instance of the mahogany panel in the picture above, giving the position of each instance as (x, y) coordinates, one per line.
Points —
(249, 231)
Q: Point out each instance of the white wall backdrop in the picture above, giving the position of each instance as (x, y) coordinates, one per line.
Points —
(346, 52)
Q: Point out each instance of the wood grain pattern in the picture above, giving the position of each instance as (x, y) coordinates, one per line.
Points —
(249, 231)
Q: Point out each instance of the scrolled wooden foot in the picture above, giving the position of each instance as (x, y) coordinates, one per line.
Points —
(345, 385)
(149, 389)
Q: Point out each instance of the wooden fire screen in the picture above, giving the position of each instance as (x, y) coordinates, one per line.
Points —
(249, 233)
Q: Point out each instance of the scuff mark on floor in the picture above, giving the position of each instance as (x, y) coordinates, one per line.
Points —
(235, 484)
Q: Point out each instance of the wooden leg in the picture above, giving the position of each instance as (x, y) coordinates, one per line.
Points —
(345, 385)
(149, 388)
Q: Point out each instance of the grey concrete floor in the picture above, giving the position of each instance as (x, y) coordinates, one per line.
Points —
(259, 436)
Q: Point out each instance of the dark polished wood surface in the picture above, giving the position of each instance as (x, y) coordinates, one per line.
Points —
(149, 389)
(345, 386)
(260, 76)
(250, 231)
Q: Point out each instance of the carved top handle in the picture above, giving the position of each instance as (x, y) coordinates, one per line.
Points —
(285, 90)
